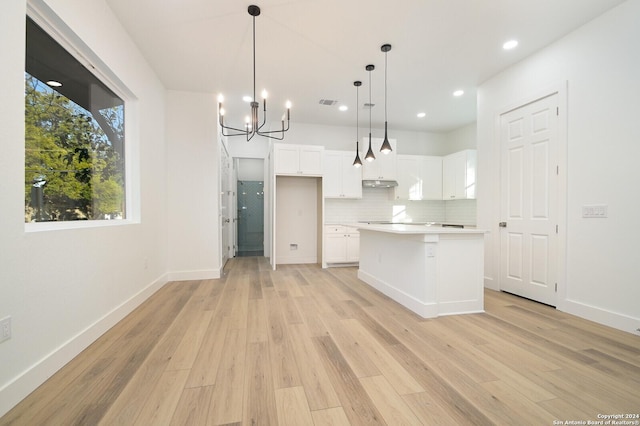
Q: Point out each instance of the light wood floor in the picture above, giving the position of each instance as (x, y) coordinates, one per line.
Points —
(303, 346)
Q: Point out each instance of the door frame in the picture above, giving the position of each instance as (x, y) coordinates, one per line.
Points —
(560, 89)
(225, 193)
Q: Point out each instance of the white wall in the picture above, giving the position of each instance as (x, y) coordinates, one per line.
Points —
(64, 288)
(193, 186)
(463, 138)
(250, 169)
(297, 220)
(600, 63)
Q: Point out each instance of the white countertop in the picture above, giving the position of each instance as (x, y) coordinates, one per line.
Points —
(397, 228)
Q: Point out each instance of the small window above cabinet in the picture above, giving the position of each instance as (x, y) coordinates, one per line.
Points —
(419, 177)
(340, 178)
(459, 175)
(297, 160)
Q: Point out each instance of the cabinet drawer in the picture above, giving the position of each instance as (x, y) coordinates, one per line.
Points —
(335, 229)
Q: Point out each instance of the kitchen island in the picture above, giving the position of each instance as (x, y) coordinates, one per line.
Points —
(431, 270)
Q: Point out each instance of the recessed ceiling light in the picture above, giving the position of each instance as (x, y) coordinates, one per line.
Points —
(247, 98)
(422, 114)
(54, 83)
(343, 108)
(458, 93)
(510, 44)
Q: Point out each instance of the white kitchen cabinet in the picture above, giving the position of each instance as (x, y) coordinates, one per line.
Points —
(341, 244)
(340, 179)
(384, 167)
(419, 177)
(459, 175)
(297, 160)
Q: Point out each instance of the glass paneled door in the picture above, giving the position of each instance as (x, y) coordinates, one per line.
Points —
(250, 218)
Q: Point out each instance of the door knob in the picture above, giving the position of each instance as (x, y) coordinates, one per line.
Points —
(502, 224)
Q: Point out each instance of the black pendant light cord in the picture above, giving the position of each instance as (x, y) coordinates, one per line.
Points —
(385, 88)
(370, 155)
(254, 60)
(357, 115)
(386, 145)
(357, 162)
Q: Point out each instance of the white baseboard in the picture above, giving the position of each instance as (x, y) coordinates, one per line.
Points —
(292, 260)
(601, 316)
(491, 284)
(425, 310)
(202, 274)
(19, 388)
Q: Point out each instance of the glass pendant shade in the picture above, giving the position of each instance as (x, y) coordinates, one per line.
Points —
(357, 162)
(370, 156)
(386, 146)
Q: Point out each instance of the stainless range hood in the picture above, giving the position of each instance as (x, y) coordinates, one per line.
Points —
(379, 183)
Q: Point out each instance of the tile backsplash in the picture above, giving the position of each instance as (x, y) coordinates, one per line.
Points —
(376, 204)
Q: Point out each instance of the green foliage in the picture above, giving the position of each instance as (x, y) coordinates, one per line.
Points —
(81, 162)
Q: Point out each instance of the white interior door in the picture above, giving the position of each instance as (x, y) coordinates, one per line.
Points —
(529, 200)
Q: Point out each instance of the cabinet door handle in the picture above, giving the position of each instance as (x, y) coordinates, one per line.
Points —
(502, 224)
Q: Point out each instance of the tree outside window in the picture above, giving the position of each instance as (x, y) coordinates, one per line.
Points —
(74, 138)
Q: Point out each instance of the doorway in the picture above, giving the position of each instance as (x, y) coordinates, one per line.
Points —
(529, 200)
(250, 207)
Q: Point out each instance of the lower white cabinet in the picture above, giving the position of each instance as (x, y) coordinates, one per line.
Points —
(341, 244)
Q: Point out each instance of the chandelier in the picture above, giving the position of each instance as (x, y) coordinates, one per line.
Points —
(252, 125)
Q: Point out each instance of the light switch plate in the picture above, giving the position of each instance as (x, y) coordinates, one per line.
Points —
(595, 211)
(5, 329)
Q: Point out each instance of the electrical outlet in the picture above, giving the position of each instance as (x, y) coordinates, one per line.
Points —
(5, 329)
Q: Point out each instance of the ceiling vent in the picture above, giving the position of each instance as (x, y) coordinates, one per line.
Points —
(328, 102)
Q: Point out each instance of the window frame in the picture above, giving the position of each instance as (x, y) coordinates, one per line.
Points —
(57, 29)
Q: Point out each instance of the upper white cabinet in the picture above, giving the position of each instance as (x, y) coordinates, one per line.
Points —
(384, 166)
(297, 160)
(459, 175)
(419, 177)
(340, 178)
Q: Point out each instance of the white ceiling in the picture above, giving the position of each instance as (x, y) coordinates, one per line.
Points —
(309, 50)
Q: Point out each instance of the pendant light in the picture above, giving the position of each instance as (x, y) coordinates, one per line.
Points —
(386, 146)
(357, 162)
(252, 124)
(370, 156)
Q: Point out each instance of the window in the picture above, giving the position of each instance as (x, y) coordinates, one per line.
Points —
(74, 137)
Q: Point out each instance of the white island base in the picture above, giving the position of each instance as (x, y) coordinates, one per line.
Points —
(430, 270)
